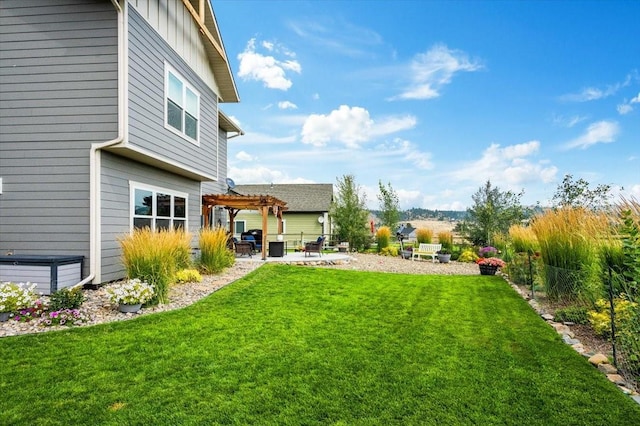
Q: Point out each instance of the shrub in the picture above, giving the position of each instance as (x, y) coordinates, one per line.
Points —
(389, 251)
(600, 316)
(424, 235)
(446, 239)
(575, 314)
(66, 298)
(155, 256)
(214, 253)
(383, 235)
(467, 255)
(188, 276)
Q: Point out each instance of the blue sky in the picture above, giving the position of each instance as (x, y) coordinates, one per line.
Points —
(435, 97)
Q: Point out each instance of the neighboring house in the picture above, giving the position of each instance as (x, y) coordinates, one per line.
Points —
(307, 215)
(109, 120)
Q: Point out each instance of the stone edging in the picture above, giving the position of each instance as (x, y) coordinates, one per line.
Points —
(598, 360)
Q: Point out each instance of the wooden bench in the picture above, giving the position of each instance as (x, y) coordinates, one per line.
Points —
(426, 250)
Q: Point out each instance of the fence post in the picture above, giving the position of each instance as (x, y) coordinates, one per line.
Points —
(612, 315)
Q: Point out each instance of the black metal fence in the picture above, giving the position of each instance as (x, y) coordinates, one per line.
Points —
(607, 302)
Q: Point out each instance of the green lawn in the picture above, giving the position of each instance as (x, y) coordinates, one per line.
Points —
(290, 346)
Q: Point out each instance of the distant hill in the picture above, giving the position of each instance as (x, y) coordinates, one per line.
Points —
(426, 214)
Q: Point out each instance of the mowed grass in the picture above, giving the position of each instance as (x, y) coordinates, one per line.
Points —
(299, 346)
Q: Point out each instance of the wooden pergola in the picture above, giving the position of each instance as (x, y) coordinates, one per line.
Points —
(235, 203)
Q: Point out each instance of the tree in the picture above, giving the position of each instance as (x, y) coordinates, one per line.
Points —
(572, 193)
(349, 213)
(493, 211)
(389, 210)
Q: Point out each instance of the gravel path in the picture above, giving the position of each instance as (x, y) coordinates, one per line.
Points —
(100, 310)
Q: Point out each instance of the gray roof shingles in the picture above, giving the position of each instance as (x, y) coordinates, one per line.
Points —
(304, 197)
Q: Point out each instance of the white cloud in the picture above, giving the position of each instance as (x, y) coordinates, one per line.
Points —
(350, 126)
(432, 70)
(508, 166)
(626, 107)
(593, 93)
(265, 68)
(244, 156)
(287, 105)
(568, 121)
(407, 152)
(600, 132)
(262, 175)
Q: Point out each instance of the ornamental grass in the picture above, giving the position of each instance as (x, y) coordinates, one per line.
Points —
(523, 239)
(215, 255)
(155, 257)
(383, 236)
(446, 239)
(424, 235)
(569, 241)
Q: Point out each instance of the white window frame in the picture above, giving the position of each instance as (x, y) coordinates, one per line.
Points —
(133, 186)
(235, 222)
(168, 69)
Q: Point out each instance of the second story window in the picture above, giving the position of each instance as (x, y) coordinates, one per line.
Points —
(182, 105)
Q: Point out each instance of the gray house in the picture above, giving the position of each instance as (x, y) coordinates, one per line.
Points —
(307, 214)
(109, 120)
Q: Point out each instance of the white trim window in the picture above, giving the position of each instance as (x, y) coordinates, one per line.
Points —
(240, 226)
(157, 208)
(181, 105)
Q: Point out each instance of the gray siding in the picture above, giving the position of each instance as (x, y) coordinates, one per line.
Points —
(58, 94)
(116, 174)
(147, 55)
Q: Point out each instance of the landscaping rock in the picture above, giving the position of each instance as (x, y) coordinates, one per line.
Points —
(547, 317)
(598, 359)
(607, 368)
(569, 340)
(578, 347)
(636, 398)
(617, 379)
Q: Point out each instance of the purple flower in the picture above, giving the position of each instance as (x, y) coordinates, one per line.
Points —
(54, 314)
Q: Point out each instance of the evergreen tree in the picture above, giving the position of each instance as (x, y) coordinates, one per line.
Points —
(349, 214)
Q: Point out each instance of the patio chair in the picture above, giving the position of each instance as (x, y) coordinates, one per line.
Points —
(243, 247)
(256, 245)
(314, 247)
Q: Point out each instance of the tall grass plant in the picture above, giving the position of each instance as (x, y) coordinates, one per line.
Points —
(215, 255)
(523, 239)
(569, 241)
(424, 235)
(446, 239)
(155, 256)
(383, 236)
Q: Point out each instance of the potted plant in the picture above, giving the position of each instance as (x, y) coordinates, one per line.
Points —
(444, 255)
(406, 252)
(489, 265)
(14, 297)
(130, 295)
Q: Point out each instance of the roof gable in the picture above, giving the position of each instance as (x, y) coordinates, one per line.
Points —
(313, 197)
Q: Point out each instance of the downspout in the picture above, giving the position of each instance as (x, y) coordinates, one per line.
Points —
(94, 157)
